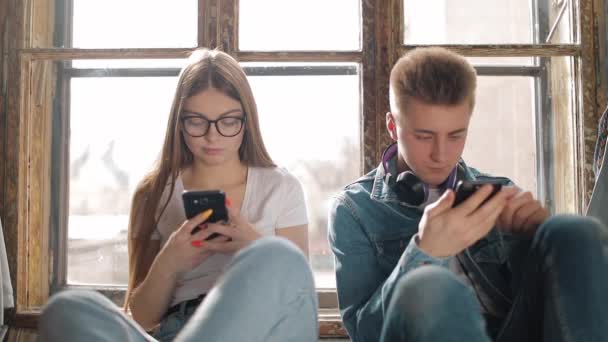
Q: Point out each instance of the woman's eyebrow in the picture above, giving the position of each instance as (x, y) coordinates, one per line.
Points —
(231, 111)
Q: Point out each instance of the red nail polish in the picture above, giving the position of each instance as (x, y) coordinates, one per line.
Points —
(228, 202)
(197, 243)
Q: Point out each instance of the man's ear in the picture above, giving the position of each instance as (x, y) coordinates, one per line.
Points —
(391, 126)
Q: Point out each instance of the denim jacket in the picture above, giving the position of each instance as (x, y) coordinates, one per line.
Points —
(371, 234)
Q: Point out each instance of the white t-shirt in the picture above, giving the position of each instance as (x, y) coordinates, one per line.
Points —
(434, 194)
(273, 200)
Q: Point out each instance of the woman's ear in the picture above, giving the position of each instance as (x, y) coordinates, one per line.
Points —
(391, 126)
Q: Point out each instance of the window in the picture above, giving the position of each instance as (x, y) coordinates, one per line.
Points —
(319, 72)
(117, 126)
(526, 88)
(488, 22)
(115, 138)
(117, 112)
(134, 24)
(299, 25)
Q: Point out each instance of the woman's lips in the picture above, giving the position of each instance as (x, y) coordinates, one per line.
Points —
(212, 151)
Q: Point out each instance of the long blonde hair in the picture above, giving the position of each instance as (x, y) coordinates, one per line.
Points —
(205, 69)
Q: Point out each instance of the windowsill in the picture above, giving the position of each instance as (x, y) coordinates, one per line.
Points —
(330, 323)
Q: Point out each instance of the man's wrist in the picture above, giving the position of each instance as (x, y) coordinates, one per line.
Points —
(413, 256)
(426, 250)
(422, 247)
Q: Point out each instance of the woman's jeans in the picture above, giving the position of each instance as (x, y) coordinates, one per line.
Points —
(267, 293)
(562, 296)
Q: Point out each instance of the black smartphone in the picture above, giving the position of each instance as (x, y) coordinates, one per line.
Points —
(466, 188)
(195, 202)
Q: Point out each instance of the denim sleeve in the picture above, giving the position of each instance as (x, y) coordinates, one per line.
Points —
(414, 257)
(364, 293)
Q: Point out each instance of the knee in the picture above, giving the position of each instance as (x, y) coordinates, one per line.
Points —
(274, 256)
(66, 306)
(569, 232)
(430, 289)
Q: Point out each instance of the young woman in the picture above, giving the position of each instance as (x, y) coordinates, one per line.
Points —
(243, 285)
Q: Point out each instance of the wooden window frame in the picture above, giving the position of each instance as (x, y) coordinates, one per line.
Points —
(26, 127)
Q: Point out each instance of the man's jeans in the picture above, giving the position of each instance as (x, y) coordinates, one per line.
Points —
(266, 294)
(562, 293)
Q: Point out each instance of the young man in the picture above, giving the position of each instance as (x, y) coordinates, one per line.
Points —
(410, 266)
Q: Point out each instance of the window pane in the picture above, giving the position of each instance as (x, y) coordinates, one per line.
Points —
(311, 126)
(128, 63)
(134, 23)
(485, 21)
(116, 130)
(501, 138)
(494, 61)
(117, 127)
(299, 25)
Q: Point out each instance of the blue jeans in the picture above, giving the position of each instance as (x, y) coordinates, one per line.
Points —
(561, 293)
(267, 293)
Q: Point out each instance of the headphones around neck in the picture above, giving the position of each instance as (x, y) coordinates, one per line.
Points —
(410, 189)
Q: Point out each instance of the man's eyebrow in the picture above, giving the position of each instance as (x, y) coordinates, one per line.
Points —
(462, 130)
(426, 131)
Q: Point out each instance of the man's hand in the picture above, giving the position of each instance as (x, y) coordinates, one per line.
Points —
(445, 231)
(522, 214)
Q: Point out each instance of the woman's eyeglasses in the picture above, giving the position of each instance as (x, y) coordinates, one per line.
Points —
(197, 126)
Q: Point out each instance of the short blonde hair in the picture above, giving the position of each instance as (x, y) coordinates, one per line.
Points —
(432, 75)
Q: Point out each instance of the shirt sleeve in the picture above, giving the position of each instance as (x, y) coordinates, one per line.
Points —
(293, 205)
(414, 257)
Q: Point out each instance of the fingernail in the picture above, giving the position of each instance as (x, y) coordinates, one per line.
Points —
(228, 202)
(207, 213)
(197, 243)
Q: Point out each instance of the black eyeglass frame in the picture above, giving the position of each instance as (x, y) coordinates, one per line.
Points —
(183, 119)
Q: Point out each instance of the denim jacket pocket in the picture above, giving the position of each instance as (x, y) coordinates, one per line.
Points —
(489, 249)
(491, 273)
(389, 251)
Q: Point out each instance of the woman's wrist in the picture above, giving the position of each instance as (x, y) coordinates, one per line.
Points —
(163, 267)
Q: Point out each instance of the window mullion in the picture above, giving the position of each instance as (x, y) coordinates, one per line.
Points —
(227, 25)
(201, 23)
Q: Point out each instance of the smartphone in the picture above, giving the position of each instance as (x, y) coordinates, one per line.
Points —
(195, 202)
(466, 188)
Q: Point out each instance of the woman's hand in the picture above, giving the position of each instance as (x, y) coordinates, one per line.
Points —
(235, 235)
(182, 252)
